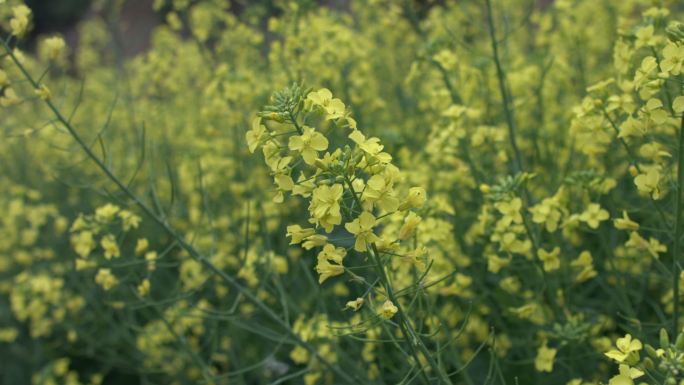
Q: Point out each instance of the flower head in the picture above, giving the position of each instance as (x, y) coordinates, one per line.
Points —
(362, 228)
(388, 310)
(308, 144)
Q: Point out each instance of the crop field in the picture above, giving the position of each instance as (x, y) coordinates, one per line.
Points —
(453, 192)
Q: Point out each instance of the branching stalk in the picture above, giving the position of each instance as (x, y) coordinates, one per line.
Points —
(166, 227)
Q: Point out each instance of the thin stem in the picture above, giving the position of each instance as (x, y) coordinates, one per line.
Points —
(633, 160)
(508, 111)
(414, 341)
(678, 230)
(194, 253)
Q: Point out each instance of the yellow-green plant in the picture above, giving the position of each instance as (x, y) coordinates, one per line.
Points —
(471, 192)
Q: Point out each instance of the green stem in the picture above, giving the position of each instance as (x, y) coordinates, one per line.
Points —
(407, 330)
(678, 230)
(633, 160)
(194, 253)
(508, 111)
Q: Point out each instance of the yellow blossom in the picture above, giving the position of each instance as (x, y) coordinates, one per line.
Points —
(333, 107)
(329, 254)
(594, 215)
(625, 223)
(388, 310)
(411, 222)
(106, 279)
(257, 135)
(585, 263)
(648, 183)
(510, 211)
(144, 288)
(362, 228)
(20, 20)
(626, 376)
(379, 191)
(297, 233)
(110, 247)
(308, 144)
(415, 199)
(325, 206)
(545, 357)
(627, 350)
(550, 258)
(141, 246)
(673, 59)
(355, 304)
(53, 47)
(83, 243)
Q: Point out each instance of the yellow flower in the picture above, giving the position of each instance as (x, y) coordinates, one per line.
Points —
(308, 144)
(625, 223)
(411, 222)
(10, 98)
(141, 246)
(43, 93)
(110, 247)
(388, 310)
(648, 183)
(297, 233)
(355, 304)
(673, 59)
(415, 199)
(20, 20)
(510, 243)
(585, 262)
(325, 206)
(256, 135)
(151, 259)
(362, 228)
(371, 147)
(106, 213)
(83, 243)
(129, 220)
(593, 215)
(649, 66)
(333, 107)
(632, 128)
(652, 246)
(379, 191)
(547, 213)
(545, 357)
(677, 104)
(53, 47)
(627, 349)
(496, 263)
(144, 288)
(550, 258)
(325, 269)
(510, 211)
(626, 376)
(312, 241)
(106, 279)
(645, 37)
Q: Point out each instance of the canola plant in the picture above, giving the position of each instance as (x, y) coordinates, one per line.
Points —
(370, 192)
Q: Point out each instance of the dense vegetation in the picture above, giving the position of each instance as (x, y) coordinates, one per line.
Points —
(383, 192)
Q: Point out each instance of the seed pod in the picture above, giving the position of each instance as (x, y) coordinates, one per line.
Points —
(648, 363)
(664, 339)
(651, 352)
(679, 344)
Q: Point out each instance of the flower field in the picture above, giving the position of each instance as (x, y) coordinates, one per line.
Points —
(471, 192)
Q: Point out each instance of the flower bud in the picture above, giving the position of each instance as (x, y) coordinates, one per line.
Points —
(485, 189)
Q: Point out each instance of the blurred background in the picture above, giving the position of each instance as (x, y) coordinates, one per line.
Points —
(134, 20)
